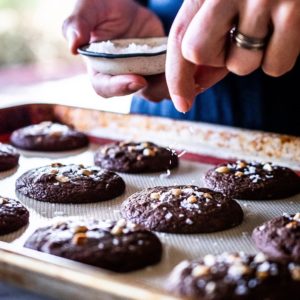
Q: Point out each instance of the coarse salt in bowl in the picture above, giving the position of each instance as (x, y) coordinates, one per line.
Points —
(146, 56)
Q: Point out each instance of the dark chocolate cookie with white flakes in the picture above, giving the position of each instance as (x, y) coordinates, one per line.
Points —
(235, 276)
(131, 157)
(182, 209)
(59, 183)
(118, 246)
(9, 157)
(253, 180)
(13, 215)
(48, 136)
(279, 238)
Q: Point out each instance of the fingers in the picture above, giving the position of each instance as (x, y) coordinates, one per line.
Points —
(108, 86)
(78, 27)
(283, 48)
(180, 72)
(153, 88)
(284, 45)
(156, 89)
(207, 76)
(204, 42)
(254, 21)
(77, 32)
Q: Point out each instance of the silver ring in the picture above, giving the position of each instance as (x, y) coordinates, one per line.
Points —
(247, 42)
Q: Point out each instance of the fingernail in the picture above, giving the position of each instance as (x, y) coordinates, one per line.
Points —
(134, 86)
(71, 37)
(182, 105)
(185, 107)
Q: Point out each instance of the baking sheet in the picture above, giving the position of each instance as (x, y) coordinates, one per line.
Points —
(176, 247)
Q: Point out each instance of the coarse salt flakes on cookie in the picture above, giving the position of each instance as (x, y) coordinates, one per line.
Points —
(133, 157)
(253, 180)
(119, 246)
(59, 183)
(13, 215)
(48, 136)
(182, 209)
(9, 157)
(279, 238)
(235, 276)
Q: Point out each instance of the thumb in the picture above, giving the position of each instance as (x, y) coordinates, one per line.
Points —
(77, 32)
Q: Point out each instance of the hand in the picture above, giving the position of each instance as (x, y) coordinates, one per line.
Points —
(94, 20)
(200, 53)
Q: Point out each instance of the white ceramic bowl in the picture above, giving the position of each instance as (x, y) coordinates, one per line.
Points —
(128, 60)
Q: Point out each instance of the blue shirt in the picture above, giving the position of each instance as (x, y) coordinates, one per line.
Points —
(256, 101)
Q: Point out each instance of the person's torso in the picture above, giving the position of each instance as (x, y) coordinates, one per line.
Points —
(166, 10)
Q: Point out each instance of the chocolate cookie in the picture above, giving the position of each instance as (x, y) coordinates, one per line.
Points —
(235, 276)
(253, 181)
(13, 215)
(182, 209)
(48, 136)
(279, 238)
(118, 246)
(60, 183)
(135, 157)
(9, 157)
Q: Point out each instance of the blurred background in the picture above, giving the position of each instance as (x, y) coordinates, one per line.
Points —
(30, 36)
(35, 63)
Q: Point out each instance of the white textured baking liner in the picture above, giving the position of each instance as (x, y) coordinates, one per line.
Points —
(176, 247)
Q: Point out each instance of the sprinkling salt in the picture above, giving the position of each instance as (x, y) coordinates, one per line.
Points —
(181, 153)
(191, 129)
(165, 175)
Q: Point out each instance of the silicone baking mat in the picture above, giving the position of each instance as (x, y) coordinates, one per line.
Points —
(176, 247)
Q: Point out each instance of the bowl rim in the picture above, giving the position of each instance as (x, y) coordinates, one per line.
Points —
(83, 51)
